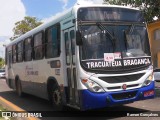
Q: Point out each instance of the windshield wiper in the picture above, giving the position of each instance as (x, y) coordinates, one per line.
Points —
(108, 33)
(104, 28)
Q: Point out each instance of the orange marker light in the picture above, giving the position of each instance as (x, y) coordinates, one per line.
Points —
(84, 80)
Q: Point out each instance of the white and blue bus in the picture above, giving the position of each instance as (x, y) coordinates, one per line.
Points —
(92, 56)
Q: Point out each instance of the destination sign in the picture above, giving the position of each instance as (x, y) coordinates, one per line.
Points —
(117, 62)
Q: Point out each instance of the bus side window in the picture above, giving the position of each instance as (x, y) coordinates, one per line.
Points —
(28, 49)
(38, 46)
(14, 52)
(6, 56)
(9, 59)
(53, 42)
(20, 51)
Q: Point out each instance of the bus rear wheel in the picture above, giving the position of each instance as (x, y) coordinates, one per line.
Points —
(19, 88)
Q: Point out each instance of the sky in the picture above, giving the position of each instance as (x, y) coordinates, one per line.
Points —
(15, 10)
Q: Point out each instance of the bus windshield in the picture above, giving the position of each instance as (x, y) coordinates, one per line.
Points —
(114, 46)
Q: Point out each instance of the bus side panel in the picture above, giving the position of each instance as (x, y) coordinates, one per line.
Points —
(45, 70)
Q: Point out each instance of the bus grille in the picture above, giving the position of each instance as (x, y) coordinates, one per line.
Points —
(127, 95)
(119, 87)
(121, 79)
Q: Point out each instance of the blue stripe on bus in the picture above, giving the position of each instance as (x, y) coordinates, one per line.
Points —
(90, 100)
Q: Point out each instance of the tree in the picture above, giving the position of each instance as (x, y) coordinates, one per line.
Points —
(25, 25)
(2, 62)
(150, 8)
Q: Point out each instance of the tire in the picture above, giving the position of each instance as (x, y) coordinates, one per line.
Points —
(19, 88)
(56, 99)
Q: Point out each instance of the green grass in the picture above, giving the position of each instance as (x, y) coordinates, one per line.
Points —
(1, 109)
(4, 109)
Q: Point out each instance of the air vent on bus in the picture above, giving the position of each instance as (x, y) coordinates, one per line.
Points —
(127, 95)
(121, 79)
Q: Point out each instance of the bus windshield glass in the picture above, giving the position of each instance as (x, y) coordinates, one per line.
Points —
(114, 46)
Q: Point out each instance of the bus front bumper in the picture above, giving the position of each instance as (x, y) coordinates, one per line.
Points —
(90, 100)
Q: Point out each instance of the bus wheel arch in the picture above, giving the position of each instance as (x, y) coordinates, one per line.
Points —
(54, 93)
(18, 86)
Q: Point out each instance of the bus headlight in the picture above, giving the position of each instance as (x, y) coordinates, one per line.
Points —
(92, 86)
(148, 80)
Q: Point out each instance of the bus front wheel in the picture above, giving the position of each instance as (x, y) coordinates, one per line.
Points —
(56, 99)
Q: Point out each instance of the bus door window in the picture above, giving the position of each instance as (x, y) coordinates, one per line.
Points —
(67, 46)
(72, 35)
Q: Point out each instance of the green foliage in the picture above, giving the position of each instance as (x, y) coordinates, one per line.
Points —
(151, 8)
(2, 62)
(25, 25)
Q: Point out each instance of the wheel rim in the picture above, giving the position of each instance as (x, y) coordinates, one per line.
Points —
(56, 97)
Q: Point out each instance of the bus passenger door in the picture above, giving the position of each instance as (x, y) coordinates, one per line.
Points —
(71, 93)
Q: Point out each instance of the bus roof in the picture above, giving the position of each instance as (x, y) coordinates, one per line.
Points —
(61, 17)
(104, 5)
